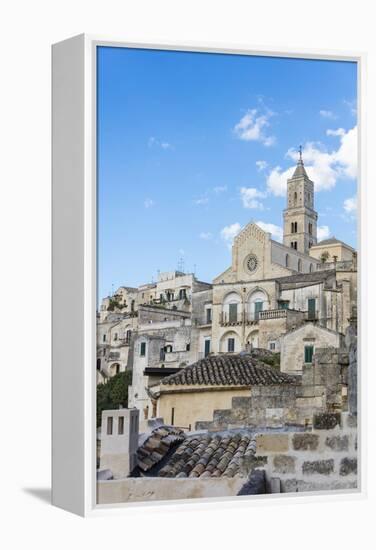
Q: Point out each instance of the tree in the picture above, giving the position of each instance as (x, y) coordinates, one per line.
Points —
(324, 256)
(113, 394)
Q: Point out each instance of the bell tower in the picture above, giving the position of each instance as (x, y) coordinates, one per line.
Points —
(300, 218)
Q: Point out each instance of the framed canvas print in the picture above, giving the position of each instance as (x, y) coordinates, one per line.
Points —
(207, 270)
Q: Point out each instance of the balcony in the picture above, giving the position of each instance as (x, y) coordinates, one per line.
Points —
(114, 355)
(273, 314)
(227, 320)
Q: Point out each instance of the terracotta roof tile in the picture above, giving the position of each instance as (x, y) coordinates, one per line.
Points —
(158, 444)
(231, 369)
(211, 455)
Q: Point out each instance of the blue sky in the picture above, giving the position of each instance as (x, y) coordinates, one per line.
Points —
(193, 146)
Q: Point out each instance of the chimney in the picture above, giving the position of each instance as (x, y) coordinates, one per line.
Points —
(119, 441)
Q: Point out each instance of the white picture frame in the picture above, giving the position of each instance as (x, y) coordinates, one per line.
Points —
(74, 263)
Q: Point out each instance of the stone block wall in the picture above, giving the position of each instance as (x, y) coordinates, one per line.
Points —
(323, 458)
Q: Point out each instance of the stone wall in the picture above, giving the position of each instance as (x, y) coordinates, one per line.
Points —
(156, 488)
(321, 388)
(323, 458)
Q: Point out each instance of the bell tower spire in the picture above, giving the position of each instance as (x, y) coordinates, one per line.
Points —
(300, 218)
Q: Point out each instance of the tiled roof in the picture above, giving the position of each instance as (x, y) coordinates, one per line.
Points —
(154, 449)
(332, 240)
(229, 369)
(211, 455)
(314, 277)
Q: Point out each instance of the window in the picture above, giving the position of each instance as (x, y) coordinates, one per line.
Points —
(308, 354)
(294, 244)
(283, 304)
(287, 261)
(162, 354)
(110, 423)
(128, 336)
(132, 305)
(233, 313)
(299, 265)
(295, 198)
(188, 347)
(172, 416)
(258, 308)
(294, 227)
(98, 363)
(310, 268)
(182, 294)
(104, 337)
(143, 349)
(311, 308)
(168, 349)
(208, 316)
(207, 347)
(272, 346)
(231, 344)
(115, 336)
(121, 425)
(310, 228)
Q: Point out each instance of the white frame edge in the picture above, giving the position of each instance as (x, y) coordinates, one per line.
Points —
(74, 273)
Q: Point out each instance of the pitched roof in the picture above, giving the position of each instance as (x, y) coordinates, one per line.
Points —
(157, 445)
(314, 277)
(332, 240)
(199, 455)
(229, 370)
(300, 170)
(211, 455)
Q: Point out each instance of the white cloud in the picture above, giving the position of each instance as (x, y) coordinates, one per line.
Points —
(229, 232)
(338, 132)
(205, 236)
(154, 142)
(323, 232)
(250, 196)
(276, 181)
(148, 203)
(350, 205)
(202, 200)
(351, 105)
(261, 165)
(220, 189)
(275, 230)
(347, 154)
(323, 167)
(252, 127)
(327, 114)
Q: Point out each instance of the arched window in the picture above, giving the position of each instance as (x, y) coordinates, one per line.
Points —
(257, 302)
(299, 265)
(310, 268)
(287, 260)
(231, 308)
(99, 363)
(295, 198)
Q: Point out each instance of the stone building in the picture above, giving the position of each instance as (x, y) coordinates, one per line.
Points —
(273, 296)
